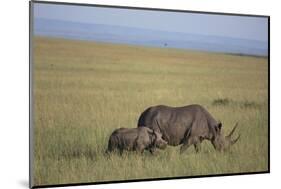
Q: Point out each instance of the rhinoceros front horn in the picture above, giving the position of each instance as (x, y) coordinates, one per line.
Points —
(231, 133)
(234, 141)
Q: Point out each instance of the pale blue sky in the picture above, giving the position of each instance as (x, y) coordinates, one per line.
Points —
(244, 27)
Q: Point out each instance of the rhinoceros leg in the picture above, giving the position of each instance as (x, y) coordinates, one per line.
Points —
(197, 147)
(185, 146)
(121, 152)
(152, 151)
(190, 141)
(139, 148)
(197, 144)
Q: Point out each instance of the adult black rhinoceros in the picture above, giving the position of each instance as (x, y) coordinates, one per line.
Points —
(188, 125)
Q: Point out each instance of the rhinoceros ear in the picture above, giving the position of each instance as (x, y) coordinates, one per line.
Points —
(152, 137)
(219, 125)
(150, 131)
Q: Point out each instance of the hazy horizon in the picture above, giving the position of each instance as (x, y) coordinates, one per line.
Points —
(214, 33)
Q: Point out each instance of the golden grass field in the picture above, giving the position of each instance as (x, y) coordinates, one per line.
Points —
(82, 91)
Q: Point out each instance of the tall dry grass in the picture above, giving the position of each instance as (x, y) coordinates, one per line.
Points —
(84, 90)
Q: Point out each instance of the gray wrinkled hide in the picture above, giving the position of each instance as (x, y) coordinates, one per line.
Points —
(188, 125)
(135, 139)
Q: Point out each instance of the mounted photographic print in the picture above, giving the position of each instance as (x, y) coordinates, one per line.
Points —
(122, 94)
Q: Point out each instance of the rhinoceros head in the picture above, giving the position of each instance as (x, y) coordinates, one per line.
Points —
(158, 141)
(221, 142)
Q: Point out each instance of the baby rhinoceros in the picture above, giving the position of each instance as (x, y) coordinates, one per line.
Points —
(135, 139)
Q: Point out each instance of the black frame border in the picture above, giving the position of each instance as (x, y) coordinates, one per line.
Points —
(31, 2)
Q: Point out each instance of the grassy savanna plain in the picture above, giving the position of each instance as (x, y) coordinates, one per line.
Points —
(82, 91)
